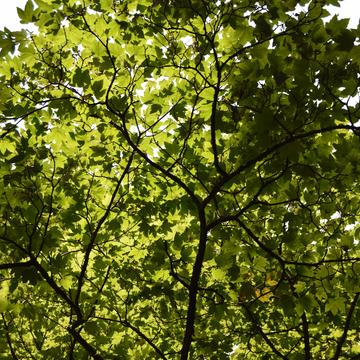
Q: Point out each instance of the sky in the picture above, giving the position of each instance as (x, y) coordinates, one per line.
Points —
(8, 14)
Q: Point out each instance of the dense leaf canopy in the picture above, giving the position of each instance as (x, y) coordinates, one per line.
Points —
(179, 180)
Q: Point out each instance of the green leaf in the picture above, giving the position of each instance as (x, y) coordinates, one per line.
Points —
(81, 78)
(335, 305)
(98, 88)
(345, 40)
(178, 167)
(26, 14)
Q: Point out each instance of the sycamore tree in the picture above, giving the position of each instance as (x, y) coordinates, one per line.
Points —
(179, 180)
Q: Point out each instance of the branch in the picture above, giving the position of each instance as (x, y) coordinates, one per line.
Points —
(89, 348)
(305, 327)
(58, 290)
(256, 324)
(126, 323)
(155, 165)
(194, 287)
(144, 337)
(272, 149)
(260, 244)
(100, 290)
(172, 270)
(96, 231)
(253, 201)
(213, 117)
(262, 41)
(16, 265)
(8, 339)
(341, 341)
(61, 292)
(273, 254)
(19, 118)
(123, 129)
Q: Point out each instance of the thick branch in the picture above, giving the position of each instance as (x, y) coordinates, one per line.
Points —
(305, 326)
(90, 349)
(58, 290)
(16, 265)
(194, 287)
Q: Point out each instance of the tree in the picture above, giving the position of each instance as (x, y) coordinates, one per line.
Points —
(180, 180)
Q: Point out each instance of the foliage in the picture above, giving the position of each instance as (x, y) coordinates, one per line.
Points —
(179, 179)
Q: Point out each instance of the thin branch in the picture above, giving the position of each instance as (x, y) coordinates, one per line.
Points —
(8, 339)
(172, 270)
(96, 231)
(342, 339)
(256, 324)
(272, 149)
(126, 323)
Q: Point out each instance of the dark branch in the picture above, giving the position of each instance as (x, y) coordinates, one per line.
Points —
(257, 326)
(305, 326)
(8, 338)
(94, 234)
(127, 324)
(194, 287)
(271, 150)
(342, 339)
(16, 265)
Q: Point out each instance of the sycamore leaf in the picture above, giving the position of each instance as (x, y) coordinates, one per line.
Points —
(179, 177)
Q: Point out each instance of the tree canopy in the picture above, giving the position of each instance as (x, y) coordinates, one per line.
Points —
(179, 180)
